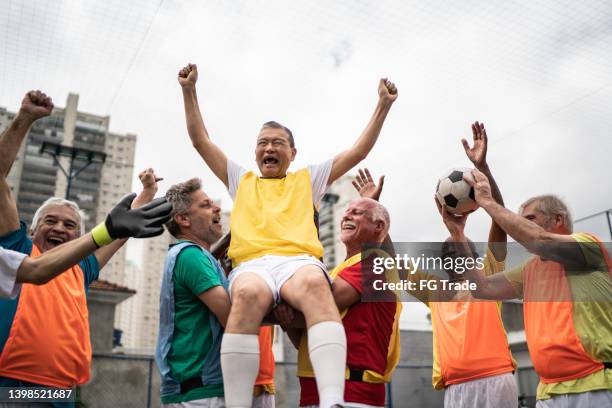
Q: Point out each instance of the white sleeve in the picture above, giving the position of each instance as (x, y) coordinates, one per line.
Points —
(319, 176)
(9, 263)
(234, 173)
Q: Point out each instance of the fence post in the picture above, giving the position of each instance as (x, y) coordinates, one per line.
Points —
(150, 383)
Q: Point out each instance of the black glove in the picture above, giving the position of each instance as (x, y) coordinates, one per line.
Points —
(144, 222)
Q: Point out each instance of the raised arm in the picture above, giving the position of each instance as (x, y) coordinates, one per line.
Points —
(495, 286)
(122, 221)
(210, 152)
(343, 162)
(478, 156)
(149, 189)
(492, 287)
(35, 105)
(557, 247)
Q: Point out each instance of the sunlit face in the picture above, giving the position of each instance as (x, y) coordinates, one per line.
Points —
(57, 224)
(273, 152)
(204, 218)
(357, 227)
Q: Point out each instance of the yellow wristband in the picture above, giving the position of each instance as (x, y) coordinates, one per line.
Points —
(100, 235)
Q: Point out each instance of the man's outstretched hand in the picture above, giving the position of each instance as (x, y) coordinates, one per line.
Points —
(188, 76)
(477, 153)
(144, 222)
(149, 179)
(36, 105)
(387, 90)
(364, 184)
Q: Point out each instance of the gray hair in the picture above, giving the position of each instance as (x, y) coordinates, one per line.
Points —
(379, 213)
(58, 201)
(179, 195)
(275, 125)
(550, 205)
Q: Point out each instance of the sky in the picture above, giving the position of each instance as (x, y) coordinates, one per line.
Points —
(537, 73)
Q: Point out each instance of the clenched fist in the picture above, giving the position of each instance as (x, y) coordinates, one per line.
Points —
(188, 76)
(387, 90)
(36, 105)
(149, 179)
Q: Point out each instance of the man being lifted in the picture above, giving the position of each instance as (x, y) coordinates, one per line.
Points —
(275, 248)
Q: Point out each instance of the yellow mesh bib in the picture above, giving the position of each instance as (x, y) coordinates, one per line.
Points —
(273, 217)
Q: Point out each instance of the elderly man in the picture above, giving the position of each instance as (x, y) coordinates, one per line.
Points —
(472, 359)
(275, 247)
(121, 222)
(195, 306)
(567, 291)
(54, 314)
(372, 328)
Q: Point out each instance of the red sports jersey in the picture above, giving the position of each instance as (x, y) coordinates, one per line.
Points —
(369, 328)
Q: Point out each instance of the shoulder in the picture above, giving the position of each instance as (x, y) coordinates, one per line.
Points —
(192, 254)
(585, 237)
(192, 259)
(594, 251)
(18, 240)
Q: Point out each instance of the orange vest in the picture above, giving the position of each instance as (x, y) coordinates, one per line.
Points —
(266, 357)
(49, 340)
(555, 348)
(470, 342)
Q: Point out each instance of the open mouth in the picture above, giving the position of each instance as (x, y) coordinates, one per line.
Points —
(348, 226)
(270, 161)
(54, 241)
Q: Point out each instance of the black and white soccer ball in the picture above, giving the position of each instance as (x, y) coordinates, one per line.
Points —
(455, 192)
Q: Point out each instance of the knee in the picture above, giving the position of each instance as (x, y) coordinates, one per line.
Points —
(245, 295)
(316, 284)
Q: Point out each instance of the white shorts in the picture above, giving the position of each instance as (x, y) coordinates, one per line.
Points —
(212, 402)
(348, 405)
(498, 391)
(275, 270)
(599, 398)
(264, 401)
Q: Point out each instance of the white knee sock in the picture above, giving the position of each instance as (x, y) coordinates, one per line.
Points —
(240, 365)
(327, 349)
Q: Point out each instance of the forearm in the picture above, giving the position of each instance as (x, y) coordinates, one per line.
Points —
(497, 235)
(42, 269)
(495, 191)
(9, 218)
(104, 254)
(11, 140)
(484, 288)
(351, 157)
(145, 197)
(368, 137)
(213, 156)
(195, 124)
(524, 231)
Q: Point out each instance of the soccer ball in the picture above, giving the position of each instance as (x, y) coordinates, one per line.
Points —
(455, 192)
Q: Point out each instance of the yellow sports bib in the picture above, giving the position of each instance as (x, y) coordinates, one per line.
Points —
(273, 217)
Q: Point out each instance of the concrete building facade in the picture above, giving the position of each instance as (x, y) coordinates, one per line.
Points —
(332, 207)
(36, 176)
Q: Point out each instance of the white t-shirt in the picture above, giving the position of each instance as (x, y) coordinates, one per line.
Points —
(319, 176)
(9, 263)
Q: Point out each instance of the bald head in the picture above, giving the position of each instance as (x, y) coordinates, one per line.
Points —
(364, 221)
